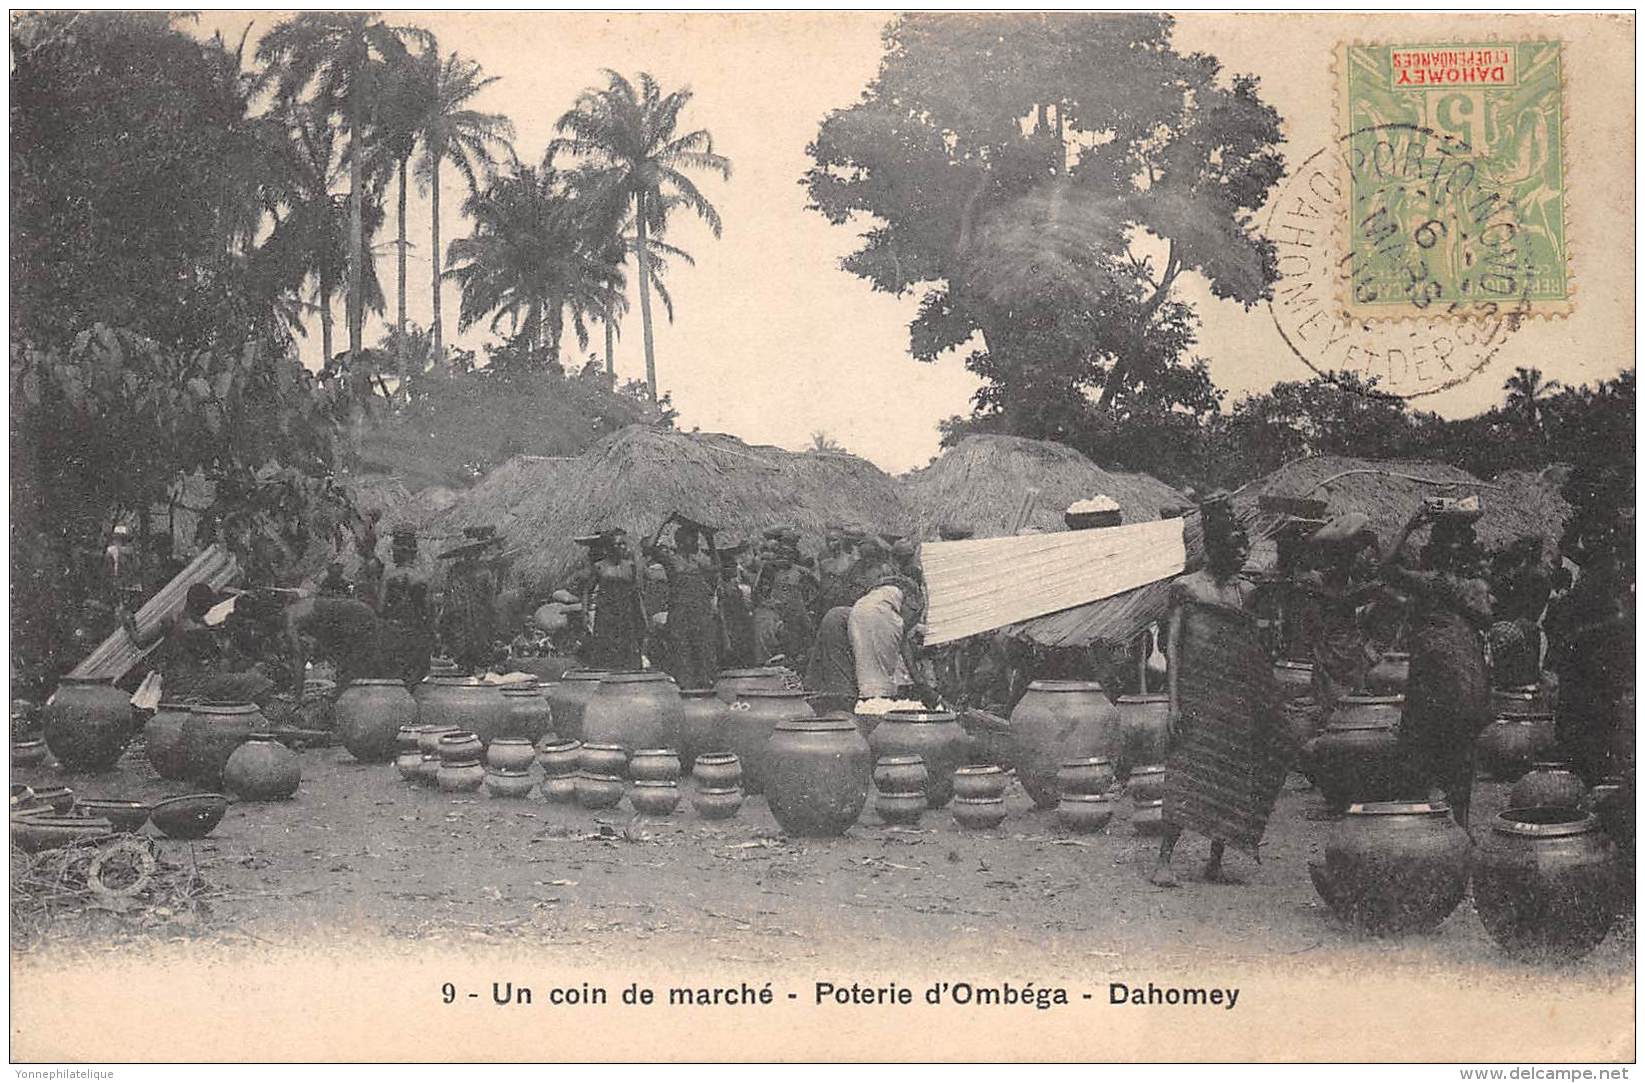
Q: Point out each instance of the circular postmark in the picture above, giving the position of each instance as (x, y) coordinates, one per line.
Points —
(1397, 262)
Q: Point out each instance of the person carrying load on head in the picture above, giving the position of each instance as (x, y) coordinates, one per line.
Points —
(736, 617)
(614, 595)
(692, 570)
(467, 623)
(404, 606)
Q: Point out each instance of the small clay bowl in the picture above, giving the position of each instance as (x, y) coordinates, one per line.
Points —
(45, 831)
(192, 816)
(124, 815)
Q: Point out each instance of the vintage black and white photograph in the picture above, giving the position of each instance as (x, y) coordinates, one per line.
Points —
(821, 536)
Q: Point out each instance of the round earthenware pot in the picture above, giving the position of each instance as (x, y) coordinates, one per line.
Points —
(461, 746)
(817, 774)
(980, 780)
(1545, 882)
(634, 710)
(899, 808)
(460, 775)
(1084, 813)
(1548, 785)
(1394, 866)
(1147, 782)
(702, 724)
(1508, 746)
(935, 736)
(979, 813)
(123, 815)
(369, 715)
(654, 796)
(717, 803)
(1062, 720)
(1088, 775)
(262, 769)
(163, 740)
(529, 715)
(603, 759)
(191, 816)
(717, 771)
(750, 722)
(1143, 720)
(87, 724)
(211, 734)
(508, 782)
(899, 774)
(1148, 817)
(510, 754)
(472, 706)
(560, 789)
(567, 698)
(730, 684)
(654, 765)
(558, 757)
(598, 791)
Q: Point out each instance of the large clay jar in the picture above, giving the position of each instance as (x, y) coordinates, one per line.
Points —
(1143, 719)
(980, 780)
(1548, 785)
(730, 684)
(1357, 759)
(635, 710)
(210, 736)
(750, 722)
(935, 736)
(1062, 720)
(1545, 882)
(1508, 746)
(568, 696)
(369, 715)
(1394, 866)
(163, 740)
(468, 704)
(702, 724)
(1293, 678)
(1388, 676)
(817, 772)
(263, 769)
(87, 723)
(1523, 700)
(529, 715)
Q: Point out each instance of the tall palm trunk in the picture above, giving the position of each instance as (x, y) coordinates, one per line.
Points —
(325, 322)
(645, 294)
(439, 263)
(610, 349)
(356, 231)
(400, 313)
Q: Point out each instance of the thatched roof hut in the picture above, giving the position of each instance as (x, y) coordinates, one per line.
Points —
(635, 477)
(979, 484)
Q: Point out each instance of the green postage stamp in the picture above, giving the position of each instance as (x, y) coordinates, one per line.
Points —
(1455, 158)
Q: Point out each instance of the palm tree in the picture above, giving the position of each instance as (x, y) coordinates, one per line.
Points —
(627, 140)
(343, 57)
(533, 259)
(407, 99)
(1527, 391)
(450, 131)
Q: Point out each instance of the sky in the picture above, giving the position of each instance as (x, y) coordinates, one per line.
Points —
(773, 342)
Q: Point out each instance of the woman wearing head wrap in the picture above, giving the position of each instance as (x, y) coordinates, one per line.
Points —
(693, 637)
(1333, 593)
(403, 604)
(878, 626)
(614, 596)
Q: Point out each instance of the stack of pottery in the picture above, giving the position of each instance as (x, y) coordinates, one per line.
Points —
(568, 696)
(473, 706)
(730, 684)
(979, 795)
(88, 723)
(368, 715)
(1508, 746)
(900, 788)
(1085, 788)
(529, 715)
(1357, 759)
(718, 792)
(634, 710)
(428, 744)
(936, 737)
(408, 758)
(163, 740)
(1061, 720)
(1147, 790)
(262, 769)
(817, 772)
(460, 769)
(602, 769)
(558, 759)
(1545, 882)
(508, 767)
(1548, 785)
(656, 775)
(750, 722)
(1143, 720)
(211, 733)
(702, 723)
(1394, 866)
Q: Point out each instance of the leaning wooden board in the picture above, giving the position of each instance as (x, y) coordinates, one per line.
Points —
(115, 656)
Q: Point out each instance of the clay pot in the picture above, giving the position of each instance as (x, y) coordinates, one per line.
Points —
(121, 815)
(470, 705)
(405, 738)
(410, 765)
(1148, 817)
(163, 740)
(1147, 783)
(1523, 700)
(599, 759)
(510, 754)
(654, 796)
(369, 715)
(460, 775)
(1062, 720)
(87, 724)
(1545, 882)
(718, 771)
(1548, 785)
(702, 724)
(568, 696)
(598, 791)
(428, 737)
(1508, 746)
(560, 789)
(33, 833)
(1357, 759)
(28, 753)
(654, 765)
(558, 758)
(192, 816)
(1394, 866)
(429, 771)
(1388, 676)
(211, 734)
(817, 773)
(262, 769)
(635, 710)
(717, 803)
(1084, 813)
(459, 746)
(900, 808)
(730, 684)
(935, 736)
(1090, 775)
(1293, 678)
(899, 774)
(529, 715)
(750, 722)
(979, 813)
(980, 780)
(1142, 720)
(508, 782)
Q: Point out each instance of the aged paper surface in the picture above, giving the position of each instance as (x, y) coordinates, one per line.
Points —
(363, 947)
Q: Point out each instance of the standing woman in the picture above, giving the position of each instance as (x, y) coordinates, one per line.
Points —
(1448, 693)
(619, 617)
(403, 604)
(692, 635)
(736, 617)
